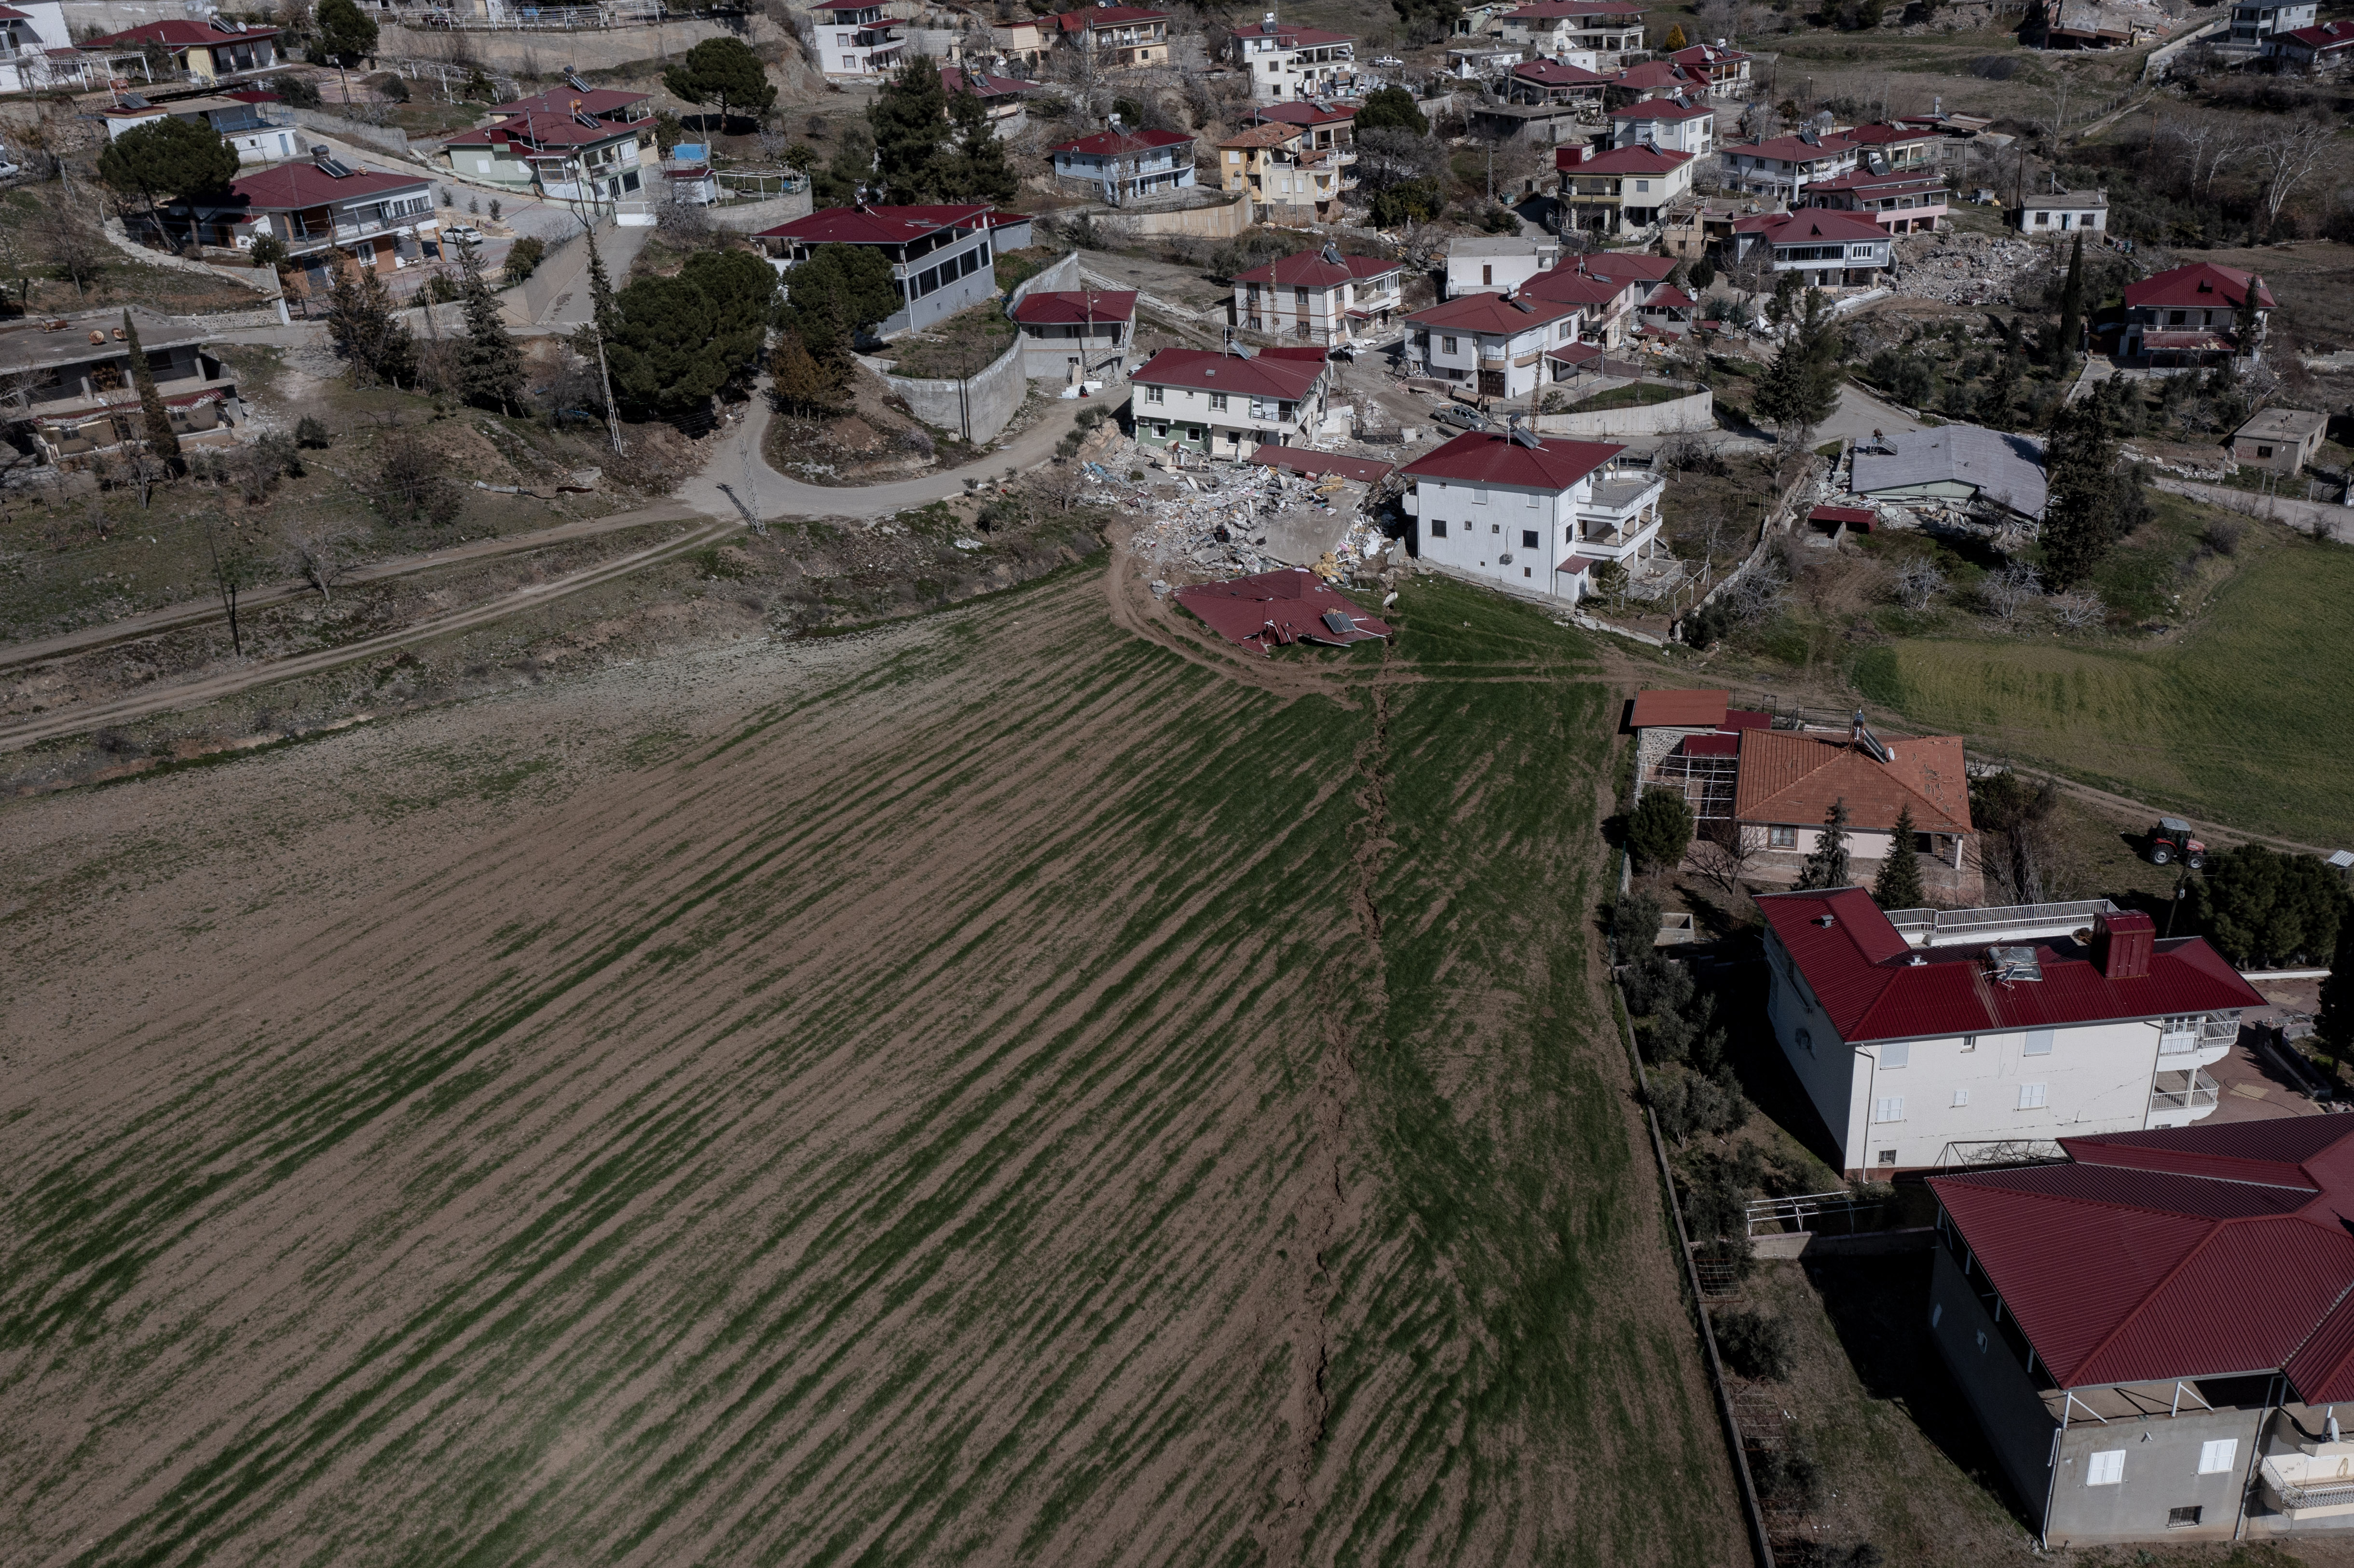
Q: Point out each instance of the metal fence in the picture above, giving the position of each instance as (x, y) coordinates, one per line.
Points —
(1977, 924)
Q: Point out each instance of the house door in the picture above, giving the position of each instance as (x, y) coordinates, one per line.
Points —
(1491, 384)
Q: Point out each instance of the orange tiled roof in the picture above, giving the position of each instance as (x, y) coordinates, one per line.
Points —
(1787, 778)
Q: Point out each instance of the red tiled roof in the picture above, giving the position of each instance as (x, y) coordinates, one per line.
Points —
(1663, 108)
(1492, 313)
(1653, 73)
(1853, 515)
(1621, 266)
(2200, 286)
(1111, 143)
(1791, 150)
(1557, 73)
(1881, 135)
(1816, 223)
(954, 80)
(874, 225)
(597, 101)
(1894, 181)
(1638, 160)
(179, 35)
(1274, 608)
(1302, 351)
(10, 14)
(1490, 457)
(1267, 134)
(1311, 115)
(1707, 54)
(1568, 285)
(559, 129)
(1292, 459)
(1678, 710)
(1667, 297)
(2325, 36)
(1107, 16)
(1545, 9)
(1075, 307)
(2189, 1252)
(1258, 375)
(1864, 978)
(1787, 776)
(291, 187)
(1310, 270)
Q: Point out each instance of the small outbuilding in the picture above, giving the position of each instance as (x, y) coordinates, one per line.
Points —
(2280, 440)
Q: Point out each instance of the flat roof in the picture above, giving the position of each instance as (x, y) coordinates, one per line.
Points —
(2286, 424)
(28, 345)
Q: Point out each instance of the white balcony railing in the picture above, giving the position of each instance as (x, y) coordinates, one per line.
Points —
(2189, 1089)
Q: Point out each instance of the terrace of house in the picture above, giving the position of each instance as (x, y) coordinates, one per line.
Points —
(72, 378)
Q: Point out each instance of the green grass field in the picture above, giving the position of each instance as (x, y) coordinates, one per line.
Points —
(2248, 719)
(992, 1091)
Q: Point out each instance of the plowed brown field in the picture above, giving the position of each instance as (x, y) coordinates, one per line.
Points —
(999, 1090)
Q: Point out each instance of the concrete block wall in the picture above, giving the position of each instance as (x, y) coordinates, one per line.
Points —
(1696, 412)
(976, 408)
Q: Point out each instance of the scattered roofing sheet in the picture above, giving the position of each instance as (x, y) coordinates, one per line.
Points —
(1271, 609)
(1295, 459)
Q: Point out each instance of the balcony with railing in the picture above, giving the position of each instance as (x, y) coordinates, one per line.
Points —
(2186, 1095)
(2315, 1483)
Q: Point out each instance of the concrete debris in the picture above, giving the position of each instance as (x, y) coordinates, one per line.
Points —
(1965, 268)
(1219, 520)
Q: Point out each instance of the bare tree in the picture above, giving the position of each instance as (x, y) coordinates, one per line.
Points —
(1918, 581)
(2285, 153)
(1720, 852)
(71, 242)
(1760, 595)
(2077, 610)
(144, 469)
(2007, 591)
(317, 550)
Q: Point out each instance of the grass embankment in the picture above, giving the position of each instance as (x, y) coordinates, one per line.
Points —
(1001, 1092)
(965, 344)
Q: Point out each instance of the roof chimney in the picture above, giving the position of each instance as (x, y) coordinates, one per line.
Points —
(2122, 943)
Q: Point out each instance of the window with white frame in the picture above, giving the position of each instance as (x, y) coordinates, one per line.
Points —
(1782, 838)
(2106, 1469)
(2216, 1457)
(2031, 1096)
(1887, 1108)
(1961, 1098)
(1152, 395)
(2039, 1043)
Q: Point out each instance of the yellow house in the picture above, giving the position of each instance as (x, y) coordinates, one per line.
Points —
(206, 51)
(1274, 165)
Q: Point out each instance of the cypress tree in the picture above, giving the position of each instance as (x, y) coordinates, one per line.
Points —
(1827, 865)
(361, 325)
(980, 170)
(2083, 492)
(489, 366)
(1898, 885)
(911, 118)
(157, 420)
(2071, 307)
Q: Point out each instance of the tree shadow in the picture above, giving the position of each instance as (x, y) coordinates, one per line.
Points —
(1765, 1076)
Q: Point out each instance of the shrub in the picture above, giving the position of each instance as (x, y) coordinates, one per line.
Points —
(524, 260)
(1755, 1345)
(298, 91)
(1660, 830)
(310, 433)
(1634, 922)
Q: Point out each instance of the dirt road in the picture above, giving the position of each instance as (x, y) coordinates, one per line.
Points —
(213, 685)
(196, 612)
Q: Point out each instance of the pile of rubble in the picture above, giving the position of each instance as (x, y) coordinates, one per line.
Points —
(1213, 521)
(1967, 269)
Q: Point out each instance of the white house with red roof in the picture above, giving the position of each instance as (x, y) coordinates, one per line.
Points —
(238, 118)
(2254, 21)
(215, 49)
(1496, 263)
(1289, 61)
(1670, 124)
(1726, 72)
(1528, 515)
(2156, 1334)
(1320, 297)
(1604, 28)
(1490, 345)
(317, 209)
(942, 259)
(1607, 288)
(36, 49)
(1906, 203)
(856, 40)
(1555, 82)
(1622, 192)
(2326, 47)
(1119, 37)
(2190, 315)
(1227, 406)
(1075, 334)
(1962, 1035)
(1785, 165)
(1827, 248)
(565, 145)
(1117, 166)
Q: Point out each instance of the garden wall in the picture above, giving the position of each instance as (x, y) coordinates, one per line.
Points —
(1696, 412)
(976, 408)
(752, 217)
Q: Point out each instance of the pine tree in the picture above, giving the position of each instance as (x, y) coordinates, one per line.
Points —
(801, 382)
(910, 117)
(154, 416)
(2071, 307)
(361, 325)
(1827, 866)
(2083, 492)
(1898, 885)
(489, 366)
(980, 170)
(1675, 39)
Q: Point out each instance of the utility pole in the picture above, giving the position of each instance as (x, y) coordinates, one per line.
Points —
(605, 375)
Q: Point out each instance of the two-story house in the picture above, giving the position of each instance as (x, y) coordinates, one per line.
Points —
(1496, 264)
(1286, 61)
(1119, 36)
(2190, 315)
(315, 209)
(2326, 47)
(1785, 165)
(1959, 1035)
(942, 259)
(1072, 334)
(1726, 72)
(856, 39)
(1550, 81)
(1827, 248)
(2253, 24)
(1897, 148)
(36, 50)
(1668, 123)
(2061, 212)
(1227, 406)
(239, 117)
(1269, 163)
(72, 380)
(1620, 193)
(1529, 515)
(1488, 345)
(1909, 203)
(1117, 166)
(1604, 28)
(553, 150)
(1319, 296)
(1002, 95)
(1606, 288)
(215, 49)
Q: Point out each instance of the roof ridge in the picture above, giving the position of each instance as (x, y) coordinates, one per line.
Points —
(2214, 1229)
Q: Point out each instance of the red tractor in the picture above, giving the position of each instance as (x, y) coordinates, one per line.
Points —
(2171, 841)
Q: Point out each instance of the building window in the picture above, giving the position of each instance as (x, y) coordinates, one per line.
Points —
(2216, 1457)
(1152, 395)
(1161, 429)
(1438, 528)
(1806, 1042)
(2031, 1096)
(1897, 1055)
(1782, 838)
(2107, 1469)
(2183, 1518)
(1970, 1042)
(1446, 345)
(1889, 1107)
(2263, 451)
(2039, 1043)
(1961, 1098)
(1528, 538)
(1887, 1157)
(1217, 402)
